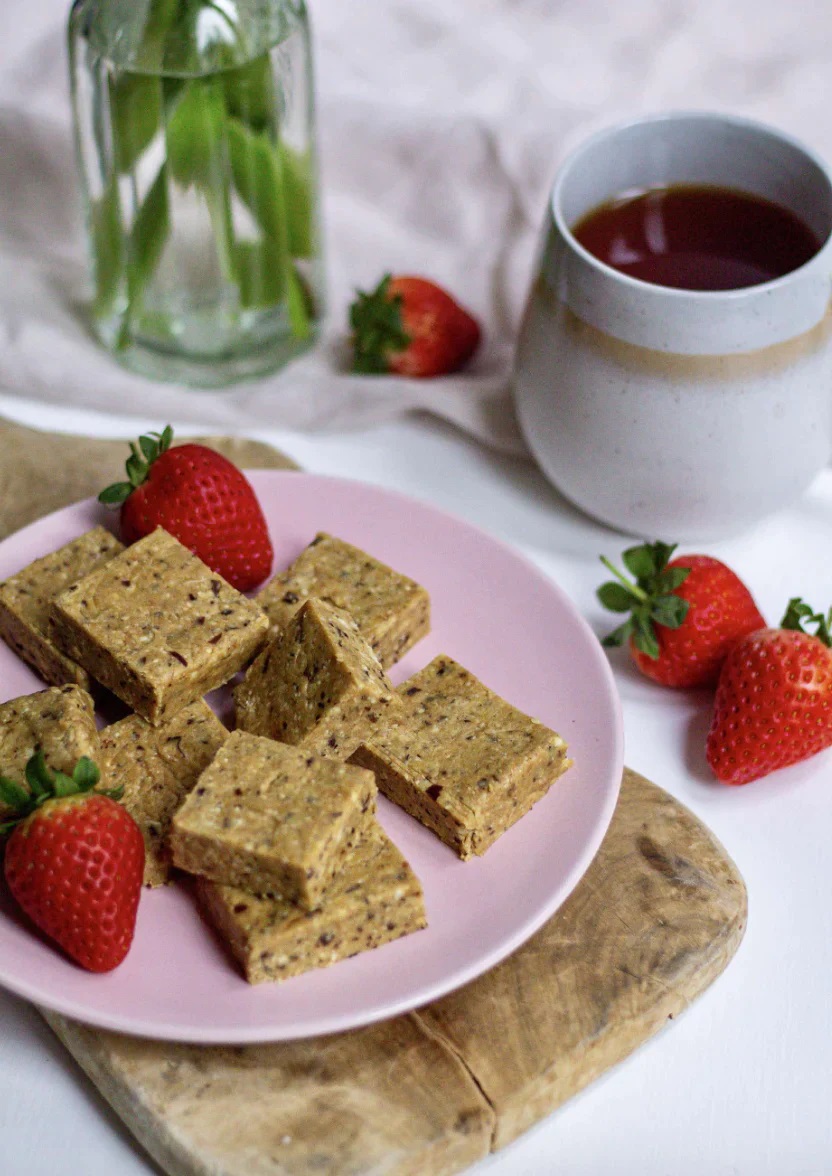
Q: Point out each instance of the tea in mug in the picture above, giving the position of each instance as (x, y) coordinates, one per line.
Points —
(696, 237)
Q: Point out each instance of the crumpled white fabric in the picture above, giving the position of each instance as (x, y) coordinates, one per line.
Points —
(441, 126)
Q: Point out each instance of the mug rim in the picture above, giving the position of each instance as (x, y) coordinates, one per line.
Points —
(573, 158)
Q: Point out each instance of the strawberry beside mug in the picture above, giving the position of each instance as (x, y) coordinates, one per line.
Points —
(667, 411)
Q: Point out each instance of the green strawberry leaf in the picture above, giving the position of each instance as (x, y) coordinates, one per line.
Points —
(13, 795)
(640, 561)
(138, 466)
(652, 598)
(663, 553)
(644, 636)
(799, 614)
(38, 776)
(617, 597)
(377, 328)
(86, 774)
(669, 611)
(64, 785)
(618, 636)
(671, 579)
(46, 786)
(136, 469)
(150, 448)
(116, 494)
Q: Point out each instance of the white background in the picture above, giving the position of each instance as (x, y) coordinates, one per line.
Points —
(738, 1086)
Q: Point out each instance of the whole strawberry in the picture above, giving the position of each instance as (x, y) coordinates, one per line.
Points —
(686, 613)
(200, 498)
(411, 327)
(773, 703)
(74, 862)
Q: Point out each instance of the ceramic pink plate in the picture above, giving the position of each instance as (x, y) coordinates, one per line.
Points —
(517, 631)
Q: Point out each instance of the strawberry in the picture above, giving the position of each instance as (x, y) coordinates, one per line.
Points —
(200, 498)
(687, 613)
(773, 703)
(74, 861)
(411, 327)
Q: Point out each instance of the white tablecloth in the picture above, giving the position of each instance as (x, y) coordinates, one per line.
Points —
(442, 122)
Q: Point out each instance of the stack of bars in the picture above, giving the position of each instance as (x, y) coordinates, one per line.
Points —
(277, 819)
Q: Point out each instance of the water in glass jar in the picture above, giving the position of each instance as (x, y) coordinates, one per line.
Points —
(201, 188)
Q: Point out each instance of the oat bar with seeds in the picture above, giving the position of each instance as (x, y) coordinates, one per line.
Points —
(392, 611)
(26, 600)
(317, 685)
(373, 900)
(157, 767)
(460, 759)
(272, 819)
(60, 721)
(158, 627)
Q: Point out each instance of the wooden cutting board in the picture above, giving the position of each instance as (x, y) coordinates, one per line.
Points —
(655, 920)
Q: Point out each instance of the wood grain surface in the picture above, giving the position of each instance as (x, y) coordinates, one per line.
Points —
(657, 917)
(655, 920)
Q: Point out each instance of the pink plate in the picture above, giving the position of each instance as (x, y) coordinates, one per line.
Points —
(499, 616)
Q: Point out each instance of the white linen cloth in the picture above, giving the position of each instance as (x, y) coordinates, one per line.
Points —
(441, 125)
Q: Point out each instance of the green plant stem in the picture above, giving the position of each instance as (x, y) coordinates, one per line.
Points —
(639, 593)
(108, 247)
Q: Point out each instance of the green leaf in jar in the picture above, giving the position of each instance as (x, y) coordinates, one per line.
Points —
(257, 170)
(196, 128)
(107, 248)
(250, 94)
(299, 306)
(147, 239)
(275, 184)
(135, 116)
(298, 187)
(259, 268)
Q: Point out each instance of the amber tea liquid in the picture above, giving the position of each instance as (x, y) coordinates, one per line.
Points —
(697, 237)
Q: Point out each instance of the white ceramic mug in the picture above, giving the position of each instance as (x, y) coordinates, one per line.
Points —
(672, 413)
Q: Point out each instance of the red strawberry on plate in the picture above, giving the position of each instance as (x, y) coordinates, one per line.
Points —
(686, 613)
(200, 498)
(74, 862)
(411, 327)
(773, 703)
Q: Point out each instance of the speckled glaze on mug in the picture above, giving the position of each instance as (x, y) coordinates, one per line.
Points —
(679, 413)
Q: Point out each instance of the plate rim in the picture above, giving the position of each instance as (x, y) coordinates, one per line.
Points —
(123, 1023)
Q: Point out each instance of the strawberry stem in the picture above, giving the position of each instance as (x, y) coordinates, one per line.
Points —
(377, 328)
(798, 614)
(142, 456)
(651, 600)
(45, 785)
(632, 588)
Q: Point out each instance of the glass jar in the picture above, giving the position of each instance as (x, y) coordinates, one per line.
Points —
(195, 135)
